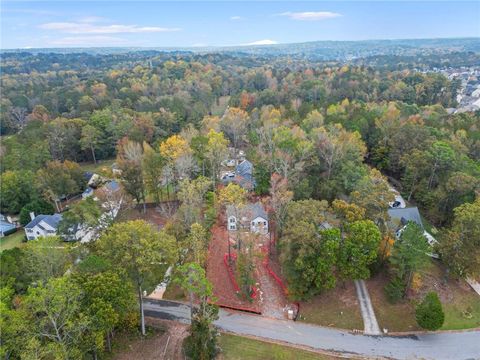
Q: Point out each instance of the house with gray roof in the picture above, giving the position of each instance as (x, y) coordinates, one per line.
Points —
(399, 218)
(42, 225)
(6, 226)
(242, 176)
(251, 217)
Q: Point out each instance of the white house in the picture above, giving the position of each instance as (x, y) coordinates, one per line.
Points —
(251, 217)
(42, 225)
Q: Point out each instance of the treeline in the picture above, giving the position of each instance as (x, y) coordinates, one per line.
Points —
(192, 86)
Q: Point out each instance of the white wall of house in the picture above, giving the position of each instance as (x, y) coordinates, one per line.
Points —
(232, 223)
(259, 225)
(37, 231)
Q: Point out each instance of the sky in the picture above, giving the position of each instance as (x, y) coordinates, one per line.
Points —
(38, 24)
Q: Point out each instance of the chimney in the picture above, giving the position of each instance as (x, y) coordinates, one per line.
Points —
(32, 215)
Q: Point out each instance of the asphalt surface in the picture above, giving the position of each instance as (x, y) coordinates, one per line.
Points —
(438, 346)
(369, 319)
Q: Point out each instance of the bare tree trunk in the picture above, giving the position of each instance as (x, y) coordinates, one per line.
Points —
(109, 342)
(142, 314)
(93, 155)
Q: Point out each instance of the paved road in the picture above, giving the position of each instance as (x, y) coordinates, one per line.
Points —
(448, 346)
(369, 319)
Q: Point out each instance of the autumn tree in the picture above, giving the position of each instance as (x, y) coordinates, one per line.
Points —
(178, 155)
(280, 196)
(234, 123)
(45, 258)
(129, 160)
(197, 244)
(460, 247)
(192, 194)
(90, 139)
(144, 253)
(58, 180)
(216, 151)
(373, 193)
(153, 164)
(56, 319)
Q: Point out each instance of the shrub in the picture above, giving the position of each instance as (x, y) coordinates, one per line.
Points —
(36, 206)
(429, 312)
(395, 289)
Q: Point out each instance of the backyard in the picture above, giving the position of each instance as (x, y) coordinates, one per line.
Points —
(13, 240)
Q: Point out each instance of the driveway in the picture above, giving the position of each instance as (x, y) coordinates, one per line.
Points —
(451, 346)
(369, 319)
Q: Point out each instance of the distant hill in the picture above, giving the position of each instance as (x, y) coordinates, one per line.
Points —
(317, 50)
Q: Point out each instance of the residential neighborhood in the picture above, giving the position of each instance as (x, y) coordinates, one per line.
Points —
(270, 180)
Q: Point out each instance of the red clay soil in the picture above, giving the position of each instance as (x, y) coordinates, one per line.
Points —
(273, 300)
(223, 289)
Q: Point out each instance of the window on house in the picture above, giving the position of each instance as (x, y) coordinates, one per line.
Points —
(265, 223)
(232, 220)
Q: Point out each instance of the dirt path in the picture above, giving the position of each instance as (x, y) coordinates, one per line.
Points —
(272, 298)
(166, 346)
(217, 273)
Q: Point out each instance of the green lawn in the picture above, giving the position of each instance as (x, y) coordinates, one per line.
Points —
(463, 312)
(102, 167)
(241, 348)
(460, 303)
(336, 308)
(12, 240)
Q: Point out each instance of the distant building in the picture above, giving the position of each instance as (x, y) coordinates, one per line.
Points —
(242, 176)
(42, 225)
(6, 227)
(87, 193)
(251, 217)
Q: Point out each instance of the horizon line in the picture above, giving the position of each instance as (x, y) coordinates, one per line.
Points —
(235, 45)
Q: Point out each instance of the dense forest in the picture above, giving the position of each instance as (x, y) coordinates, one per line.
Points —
(328, 138)
(52, 111)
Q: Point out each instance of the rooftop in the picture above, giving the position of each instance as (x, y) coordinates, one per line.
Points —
(52, 220)
(402, 216)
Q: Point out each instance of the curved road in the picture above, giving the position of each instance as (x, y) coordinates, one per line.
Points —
(451, 346)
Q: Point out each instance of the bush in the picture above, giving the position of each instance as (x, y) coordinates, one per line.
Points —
(38, 207)
(201, 344)
(429, 312)
(395, 290)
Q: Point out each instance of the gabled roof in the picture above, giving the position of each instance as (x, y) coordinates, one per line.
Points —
(249, 211)
(6, 226)
(87, 191)
(51, 220)
(112, 186)
(87, 175)
(403, 216)
(244, 168)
